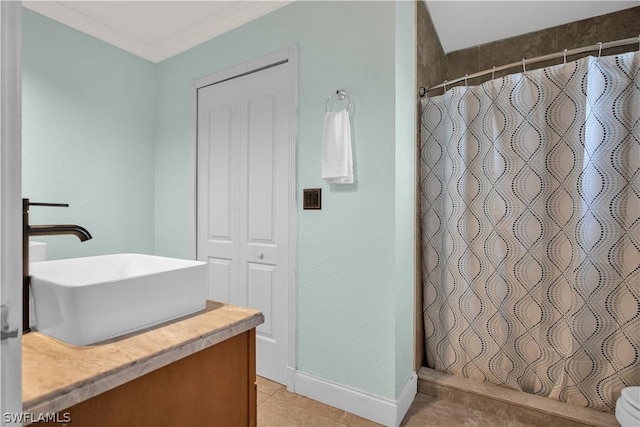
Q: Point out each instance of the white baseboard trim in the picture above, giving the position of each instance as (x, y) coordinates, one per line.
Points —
(407, 395)
(375, 408)
(291, 379)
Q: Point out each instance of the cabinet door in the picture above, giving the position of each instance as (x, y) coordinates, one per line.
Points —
(213, 387)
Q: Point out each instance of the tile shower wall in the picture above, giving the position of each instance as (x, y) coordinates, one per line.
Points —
(613, 26)
(430, 56)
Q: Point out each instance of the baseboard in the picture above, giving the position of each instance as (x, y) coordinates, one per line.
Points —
(291, 379)
(375, 408)
(406, 398)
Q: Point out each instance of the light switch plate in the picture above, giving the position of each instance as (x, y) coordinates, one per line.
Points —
(312, 198)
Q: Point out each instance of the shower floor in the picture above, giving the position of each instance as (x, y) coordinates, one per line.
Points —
(431, 411)
(510, 407)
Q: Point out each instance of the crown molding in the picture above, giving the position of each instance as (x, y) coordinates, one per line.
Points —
(214, 26)
(233, 18)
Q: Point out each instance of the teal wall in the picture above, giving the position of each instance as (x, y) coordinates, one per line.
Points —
(88, 138)
(346, 250)
(355, 256)
(405, 190)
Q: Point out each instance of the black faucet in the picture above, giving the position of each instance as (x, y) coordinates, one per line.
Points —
(40, 230)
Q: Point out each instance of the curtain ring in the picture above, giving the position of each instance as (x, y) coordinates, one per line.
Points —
(524, 68)
(465, 79)
(445, 85)
(600, 49)
(493, 73)
(565, 57)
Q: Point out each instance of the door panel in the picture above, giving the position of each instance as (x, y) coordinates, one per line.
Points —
(219, 278)
(261, 293)
(261, 191)
(219, 171)
(243, 206)
(218, 181)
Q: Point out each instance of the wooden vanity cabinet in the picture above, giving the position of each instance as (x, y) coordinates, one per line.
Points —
(213, 387)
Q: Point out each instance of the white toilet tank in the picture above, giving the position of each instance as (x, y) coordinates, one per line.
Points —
(628, 407)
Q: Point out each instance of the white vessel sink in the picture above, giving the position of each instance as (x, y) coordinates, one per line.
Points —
(82, 301)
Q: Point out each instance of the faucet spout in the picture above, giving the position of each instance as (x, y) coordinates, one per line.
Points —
(59, 229)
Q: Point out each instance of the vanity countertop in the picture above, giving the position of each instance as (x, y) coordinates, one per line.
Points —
(56, 375)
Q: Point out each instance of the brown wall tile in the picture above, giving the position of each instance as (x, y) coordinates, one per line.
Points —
(613, 26)
(516, 48)
(431, 62)
(461, 62)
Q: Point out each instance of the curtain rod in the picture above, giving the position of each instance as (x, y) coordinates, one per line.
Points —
(599, 46)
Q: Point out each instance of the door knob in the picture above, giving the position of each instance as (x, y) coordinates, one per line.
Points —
(260, 255)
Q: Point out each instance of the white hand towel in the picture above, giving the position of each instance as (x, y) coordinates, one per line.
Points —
(337, 161)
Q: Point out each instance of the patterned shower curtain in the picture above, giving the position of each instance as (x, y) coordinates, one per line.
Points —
(530, 198)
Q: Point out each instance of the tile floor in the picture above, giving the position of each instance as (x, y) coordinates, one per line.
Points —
(279, 408)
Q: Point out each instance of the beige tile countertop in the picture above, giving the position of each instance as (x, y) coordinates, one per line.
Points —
(56, 375)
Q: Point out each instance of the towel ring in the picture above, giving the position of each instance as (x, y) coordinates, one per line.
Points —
(341, 95)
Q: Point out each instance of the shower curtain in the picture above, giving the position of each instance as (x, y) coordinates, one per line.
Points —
(530, 198)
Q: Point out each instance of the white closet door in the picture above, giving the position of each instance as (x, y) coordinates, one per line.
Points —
(243, 173)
